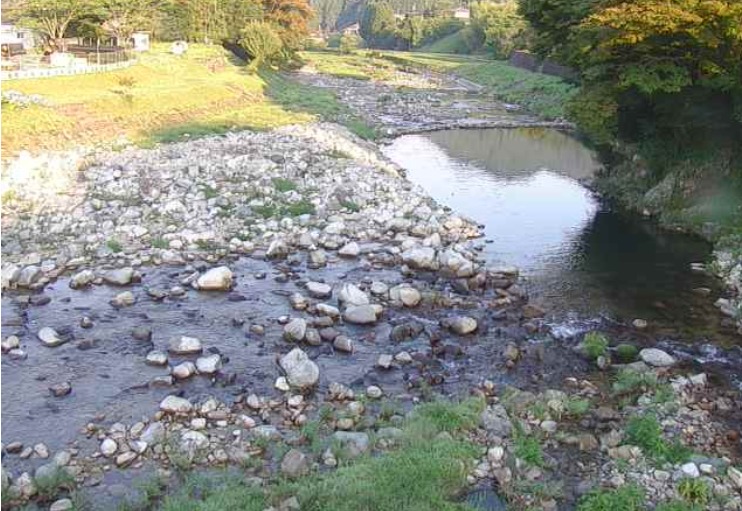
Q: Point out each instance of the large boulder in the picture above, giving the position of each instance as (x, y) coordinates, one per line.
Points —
(216, 279)
(656, 357)
(175, 404)
(350, 295)
(496, 421)
(295, 330)
(362, 314)
(301, 372)
(422, 258)
(119, 277)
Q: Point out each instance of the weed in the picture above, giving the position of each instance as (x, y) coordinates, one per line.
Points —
(284, 185)
(266, 211)
(451, 417)
(626, 498)
(303, 207)
(595, 345)
(209, 192)
(629, 381)
(114, 246)
(350, 206)
(626, 353)
(160, 243)
(645, 431)
(694, 491)
(576, 407)
(49, 486)
(529, 450)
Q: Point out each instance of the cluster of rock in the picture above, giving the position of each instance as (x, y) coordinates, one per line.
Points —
(312, 188)
(729, 268)
(21, 100)
(434, 102)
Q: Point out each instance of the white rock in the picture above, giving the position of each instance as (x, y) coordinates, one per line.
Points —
(295, 330)
(656, 357)
(361, 314)
(690, 469)
(184, 345)
(422, 258)
(216, 279)
(82, 279)
(108, 447)
(463, 325)
(300, 371)
(319, 289)
(405, 295)
(184, 370)
(735, 476)
(50, 337)
(350, 294)
(209, 364)
(156, 358)
(175, 404)
(350, 250)
(124, 299)
(119, 277)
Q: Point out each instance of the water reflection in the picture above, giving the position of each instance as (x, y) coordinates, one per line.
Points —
(578, 254)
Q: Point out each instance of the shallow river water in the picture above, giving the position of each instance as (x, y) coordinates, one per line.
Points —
(581, 257)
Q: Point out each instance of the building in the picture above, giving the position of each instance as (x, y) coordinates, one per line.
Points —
(140, 41)
(461, 13)
(13, 35)
(354, 29)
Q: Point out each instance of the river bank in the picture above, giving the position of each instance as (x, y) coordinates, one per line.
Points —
(289, 305)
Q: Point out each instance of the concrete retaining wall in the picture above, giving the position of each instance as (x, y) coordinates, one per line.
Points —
(49, 72)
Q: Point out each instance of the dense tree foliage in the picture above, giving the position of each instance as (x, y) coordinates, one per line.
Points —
(52, 18)
(261, 42)
(378, 24)
(499, 26)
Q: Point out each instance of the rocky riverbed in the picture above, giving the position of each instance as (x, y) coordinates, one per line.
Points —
(197, 304)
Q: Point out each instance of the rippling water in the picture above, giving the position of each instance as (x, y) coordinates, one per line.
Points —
(580, 256)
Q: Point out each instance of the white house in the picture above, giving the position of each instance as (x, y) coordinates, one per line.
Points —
(11, 34)
(462, 13)
(140, 41)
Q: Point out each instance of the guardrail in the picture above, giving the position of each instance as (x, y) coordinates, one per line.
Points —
(49, 72)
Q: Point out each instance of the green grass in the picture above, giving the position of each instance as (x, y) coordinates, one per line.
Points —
(695, 492)
(541, 94)
(49, 487)
(427, 471)
(645, 431)
(284, 185)
(452, 43)
(677, 505)
(628, 381)
(114, 245)
(626, 353)
(595, 345)
(627, 498)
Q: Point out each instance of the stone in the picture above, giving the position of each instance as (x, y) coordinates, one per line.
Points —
(384, 361)
(379, 288)
(350, 250)
(108, 447)
(10, 343)
(403, 357)
(216, 279)
(192, 443)
(531, 311)
(176, 405)
(735, 476)
(319, 289)
(61, 505)
(328, 310)
(142, 333)
(343, 343)
(361, 314)
(294, 464)
(354, 442)
(301, 372)
(124, 299)
(61, 389)
(278, 249)
(50, 337)
(422, 258)
(496, 421)
(656, 357)
(156, 358)
(24, 485)
(587, 442)
(690, 469)
(184, 345)
(374, 392)
(154, 433)
(405, 295)
(462, 325)
(209, 364)
(495, 454)
(29, 276)
(312, 337)
(125, 459)
(184, 370)
(119, 277)
(639, 324)
(350, 295)
(549, 426)
(298, 301)
(317, 258)
(511, 352)
(282, 384)
(82, 279)
(295, 330)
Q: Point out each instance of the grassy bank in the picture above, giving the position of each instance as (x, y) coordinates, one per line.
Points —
(160, 98)
(541, 94)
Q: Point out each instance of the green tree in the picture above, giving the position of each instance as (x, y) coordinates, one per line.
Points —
(52, 18)
(501, 25)
(410, 31)
(261, 42)
(377, 24)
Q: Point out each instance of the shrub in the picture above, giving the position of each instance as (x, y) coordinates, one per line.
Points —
(349, 43)
(629, 381)
(627, 498)
(645, 431)
(595, 345)
(334, 41)
(694, 491)
(261, 42)
(626, 352)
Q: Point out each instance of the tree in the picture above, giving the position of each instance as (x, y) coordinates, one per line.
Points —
(410, 31)
(555, 23)
(377, 24)
(261, 42)
(292, 19)
(124, 17)
(52, 18)
(501, 26)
